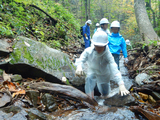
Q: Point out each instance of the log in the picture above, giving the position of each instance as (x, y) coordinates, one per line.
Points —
(63, 89)
(148, 114)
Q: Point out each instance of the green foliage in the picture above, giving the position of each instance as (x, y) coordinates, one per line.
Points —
(17, 17)
(151, 43)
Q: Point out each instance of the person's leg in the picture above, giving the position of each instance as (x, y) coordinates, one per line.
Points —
(116, 58)
(90, 83)
(103, 85)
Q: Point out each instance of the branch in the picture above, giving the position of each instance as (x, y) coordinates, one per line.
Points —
(53, 20)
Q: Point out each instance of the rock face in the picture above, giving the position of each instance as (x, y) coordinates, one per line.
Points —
(34, 59)
(118, 100)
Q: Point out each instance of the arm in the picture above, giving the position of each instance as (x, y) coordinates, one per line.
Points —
(115, 73)
(79, 63)
(84, 31)
(123, 46)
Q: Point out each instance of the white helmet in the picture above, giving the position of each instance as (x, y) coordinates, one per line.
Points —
(100, 38)
(104, 20)
(128, 42)
(89, 22)
(115, 24)
(97, 24)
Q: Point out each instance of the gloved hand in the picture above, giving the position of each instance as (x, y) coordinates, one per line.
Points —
(126, 60)
(123, 90)
(86, 38)
(79, 70)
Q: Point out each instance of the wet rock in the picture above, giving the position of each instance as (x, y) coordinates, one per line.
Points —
(85, 114)
(19, 103)
(33, 96)
(118, 100)
(34, 114)
(142, 77)
(13, 109)
(16, 78)
(12, 113)
(4, 98)
(4, 45)
(49, 101)
(156, 95)
(5, 116)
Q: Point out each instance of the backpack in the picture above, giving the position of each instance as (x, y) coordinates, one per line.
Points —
(81, 30)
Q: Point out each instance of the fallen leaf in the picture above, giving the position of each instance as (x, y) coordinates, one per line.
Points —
(6, 77)
(11, 86)
(21, 92)
(143, 96)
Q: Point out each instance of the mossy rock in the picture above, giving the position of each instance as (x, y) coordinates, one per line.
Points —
(34, 59)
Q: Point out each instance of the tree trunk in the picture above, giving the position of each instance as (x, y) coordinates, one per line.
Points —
(86, 12)
(81, 10)
(89, 9)
(146, 30)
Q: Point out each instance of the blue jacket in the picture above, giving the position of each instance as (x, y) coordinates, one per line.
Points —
(116, 44)
(95, 30)
(86, 30)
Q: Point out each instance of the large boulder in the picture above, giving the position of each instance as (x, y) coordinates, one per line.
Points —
(34, 59)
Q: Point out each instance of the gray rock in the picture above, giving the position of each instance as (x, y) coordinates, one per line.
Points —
(49, 101)
(33, 96)
(118, 100)
(142, 77)
(16, 78)
(34, 114)
(4, 98)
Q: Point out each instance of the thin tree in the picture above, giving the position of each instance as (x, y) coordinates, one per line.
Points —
(86, 11)
(145, 27)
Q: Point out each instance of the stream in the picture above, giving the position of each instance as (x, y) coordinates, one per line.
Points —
(114, 113)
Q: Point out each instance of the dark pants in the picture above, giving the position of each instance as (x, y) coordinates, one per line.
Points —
(116, 58)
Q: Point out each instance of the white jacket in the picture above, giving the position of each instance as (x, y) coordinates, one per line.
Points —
(100, 64)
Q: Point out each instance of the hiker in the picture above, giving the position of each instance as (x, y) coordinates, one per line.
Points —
(97, 26)
(86, 33)
(128, 43)
(104, 25)
(101, 67)
(117, 43)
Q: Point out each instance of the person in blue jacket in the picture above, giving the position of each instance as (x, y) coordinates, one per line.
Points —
(117, 43)
(86, 33)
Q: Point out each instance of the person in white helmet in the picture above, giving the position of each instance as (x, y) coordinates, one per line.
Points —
(97, 26)
(117, 43)
(101, 67)
(104, 25)
(128, 43)
(86, 33)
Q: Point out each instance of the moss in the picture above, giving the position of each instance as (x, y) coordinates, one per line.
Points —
(16, 56)
(40, 64)
(27, 55)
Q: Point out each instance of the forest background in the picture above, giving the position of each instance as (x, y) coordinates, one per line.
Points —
(58, 22)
